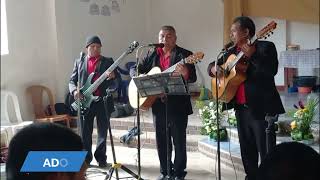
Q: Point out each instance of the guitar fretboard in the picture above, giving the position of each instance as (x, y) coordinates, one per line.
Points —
(103, 76)
(173, 67)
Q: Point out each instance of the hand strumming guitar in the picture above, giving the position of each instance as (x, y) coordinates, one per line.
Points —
(181, 70)
(219, 71)
(110, 75)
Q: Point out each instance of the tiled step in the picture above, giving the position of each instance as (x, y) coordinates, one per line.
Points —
(146, 123)
(229, 152)
(147, 139)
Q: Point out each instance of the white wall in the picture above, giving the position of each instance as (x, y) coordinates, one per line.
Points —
(74, 24)
(304, 34)
(32, 43)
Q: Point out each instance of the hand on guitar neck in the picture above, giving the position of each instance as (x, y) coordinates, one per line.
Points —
(77, 95)
(248, 49)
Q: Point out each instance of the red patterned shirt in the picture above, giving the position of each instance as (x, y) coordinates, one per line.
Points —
(92, 63)
(164, 61)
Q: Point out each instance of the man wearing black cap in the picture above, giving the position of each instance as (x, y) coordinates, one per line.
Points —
(93, 62)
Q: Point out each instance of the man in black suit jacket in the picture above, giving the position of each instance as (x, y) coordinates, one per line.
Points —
(94, 62)
(257, 97)
(179, 106)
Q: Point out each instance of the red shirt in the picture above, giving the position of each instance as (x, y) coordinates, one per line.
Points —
(92, 63)
(164, 61)
(240, 95)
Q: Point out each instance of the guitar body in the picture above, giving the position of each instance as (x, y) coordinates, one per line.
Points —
(228, 84)
(145, 102)
(88, 97)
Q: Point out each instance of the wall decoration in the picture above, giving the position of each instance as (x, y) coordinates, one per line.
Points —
(104, 7)
(115, 6)
(94, 9)
(105, 10)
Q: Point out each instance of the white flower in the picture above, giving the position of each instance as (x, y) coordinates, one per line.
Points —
(200, 112)
(207, 129)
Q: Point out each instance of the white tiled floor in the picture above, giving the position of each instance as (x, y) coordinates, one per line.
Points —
(199, 166)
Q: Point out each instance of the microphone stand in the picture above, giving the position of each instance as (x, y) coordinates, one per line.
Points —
(223, 53)
(138, 112)
(79, 114)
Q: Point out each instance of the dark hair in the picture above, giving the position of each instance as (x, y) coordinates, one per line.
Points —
(168, 28)
(38, 137)
(290, 160)
(246, 22)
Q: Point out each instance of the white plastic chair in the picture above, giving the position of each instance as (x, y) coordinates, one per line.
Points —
(9, 124)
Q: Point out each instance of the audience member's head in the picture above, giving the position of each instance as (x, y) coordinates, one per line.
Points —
(42, 137)
(290, 160)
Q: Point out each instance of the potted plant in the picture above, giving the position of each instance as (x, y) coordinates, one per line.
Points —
(302, 118)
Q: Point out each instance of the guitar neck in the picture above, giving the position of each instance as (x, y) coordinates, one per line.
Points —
(103, 76)
(173, 67)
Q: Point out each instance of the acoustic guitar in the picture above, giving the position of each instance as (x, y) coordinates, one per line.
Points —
(228, 84)
(146, 102)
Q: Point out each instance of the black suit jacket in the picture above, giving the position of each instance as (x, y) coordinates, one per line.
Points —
(261, 94)
(176, 103)
(80, 66)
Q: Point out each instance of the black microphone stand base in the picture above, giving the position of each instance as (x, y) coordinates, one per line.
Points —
(115, 165)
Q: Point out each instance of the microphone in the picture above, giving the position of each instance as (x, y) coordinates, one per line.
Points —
(228, 46)
(135, 44)
(160, 45)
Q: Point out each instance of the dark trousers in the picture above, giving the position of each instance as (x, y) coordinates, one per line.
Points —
(252, 137)
(178, 125)
(96, 110)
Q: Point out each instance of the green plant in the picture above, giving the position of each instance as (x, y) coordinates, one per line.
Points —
(302, 118)
(208, 114)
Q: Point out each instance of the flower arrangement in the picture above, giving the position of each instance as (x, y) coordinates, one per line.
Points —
(302, 119)
(208, 114)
